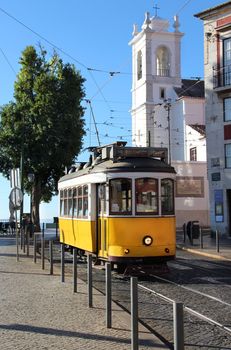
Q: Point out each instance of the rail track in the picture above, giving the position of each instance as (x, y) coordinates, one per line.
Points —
(207, 316)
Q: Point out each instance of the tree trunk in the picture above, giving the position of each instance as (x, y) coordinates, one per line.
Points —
(36, 198)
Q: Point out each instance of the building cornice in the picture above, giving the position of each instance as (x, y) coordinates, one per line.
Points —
(212, 11)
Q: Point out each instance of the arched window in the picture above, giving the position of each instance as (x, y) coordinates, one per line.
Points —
(139, 65)
(162, 62)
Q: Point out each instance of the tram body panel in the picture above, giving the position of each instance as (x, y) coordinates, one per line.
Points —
(78, 233)
(128, 233)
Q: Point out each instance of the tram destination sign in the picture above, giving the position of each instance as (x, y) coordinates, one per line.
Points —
(140, 152)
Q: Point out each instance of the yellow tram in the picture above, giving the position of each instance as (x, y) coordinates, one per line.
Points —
(120, 205)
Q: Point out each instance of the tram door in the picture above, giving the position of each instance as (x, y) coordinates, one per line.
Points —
(102, 221)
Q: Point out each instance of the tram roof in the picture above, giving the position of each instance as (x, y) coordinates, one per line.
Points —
(118, 158)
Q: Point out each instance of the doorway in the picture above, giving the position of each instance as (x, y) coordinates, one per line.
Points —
(102, 221)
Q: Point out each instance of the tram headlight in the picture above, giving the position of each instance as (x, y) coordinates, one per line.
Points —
(147, 240)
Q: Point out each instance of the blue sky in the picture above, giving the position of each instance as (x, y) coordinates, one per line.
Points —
(93, 35)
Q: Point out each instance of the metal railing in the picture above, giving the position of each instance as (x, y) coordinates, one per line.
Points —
(222, 76)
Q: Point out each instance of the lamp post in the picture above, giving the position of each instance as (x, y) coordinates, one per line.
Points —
(167, 106)
(30, 178)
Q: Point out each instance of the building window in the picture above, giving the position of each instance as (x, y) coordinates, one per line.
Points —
(162, 62)
(162, 93)
(227, 109)
(193, 154)
(139, 65)
(228, 155)
(227, 61)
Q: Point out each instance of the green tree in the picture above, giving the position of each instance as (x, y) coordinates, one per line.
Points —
(44, 122)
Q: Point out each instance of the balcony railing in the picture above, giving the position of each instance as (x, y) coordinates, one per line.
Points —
(163, 72)
(222, 76)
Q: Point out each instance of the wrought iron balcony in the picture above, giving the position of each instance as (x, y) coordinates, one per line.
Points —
(222, 77)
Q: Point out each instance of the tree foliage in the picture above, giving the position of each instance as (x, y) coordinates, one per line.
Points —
(44, 123)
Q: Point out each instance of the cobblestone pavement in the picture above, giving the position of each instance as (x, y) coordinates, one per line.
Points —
(39, 312)
(207, 247)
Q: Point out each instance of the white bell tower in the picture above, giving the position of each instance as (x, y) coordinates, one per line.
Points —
(156, 70)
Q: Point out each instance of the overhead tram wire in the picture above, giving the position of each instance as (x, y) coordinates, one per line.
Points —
(8, 62)
(183, 6)
(89, 69)
(93, 117)
(43, 38)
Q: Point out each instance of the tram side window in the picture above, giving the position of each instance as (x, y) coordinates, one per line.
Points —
(102, 199)
(69, 202)
(167, 196)
(120, 196)
(80, 201)
(146, 196)
(74, 202)
(65, 198)
(61, 204)
(85, 201)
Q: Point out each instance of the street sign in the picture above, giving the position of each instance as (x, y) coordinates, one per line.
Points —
(16, 198)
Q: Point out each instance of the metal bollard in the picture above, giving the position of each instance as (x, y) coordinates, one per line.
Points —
(217, 241)
(178, 326)
(27, 242)
(191, 234)
(24, 241)
(75, 269)
(51, 256)
(201, 238)
(134, 313)
(21, 237)
(89, 279)
(35, 243)
(62, 262)
(56, 229)
(43, 249)
(108, 295)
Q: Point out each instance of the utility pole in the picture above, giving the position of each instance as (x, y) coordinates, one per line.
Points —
(167, 107)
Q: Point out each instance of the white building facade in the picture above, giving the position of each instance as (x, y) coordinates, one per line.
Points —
(217, 67)
(168, 111)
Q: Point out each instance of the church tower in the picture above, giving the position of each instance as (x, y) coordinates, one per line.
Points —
(156, 68)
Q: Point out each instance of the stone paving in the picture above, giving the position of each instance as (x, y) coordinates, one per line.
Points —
(37, 311)
(209, 247)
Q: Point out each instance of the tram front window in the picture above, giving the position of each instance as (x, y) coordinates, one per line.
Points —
(146, 196)
(121, 196)
(167, 198)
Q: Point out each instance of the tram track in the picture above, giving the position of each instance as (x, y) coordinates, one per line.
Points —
(188, 309)
(156, 314)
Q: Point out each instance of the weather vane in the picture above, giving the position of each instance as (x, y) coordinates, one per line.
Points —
(156, 8)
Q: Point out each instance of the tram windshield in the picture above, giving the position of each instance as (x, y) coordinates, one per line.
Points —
(121, 196)
(152, 196)
(167, 200)
(146, 196)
